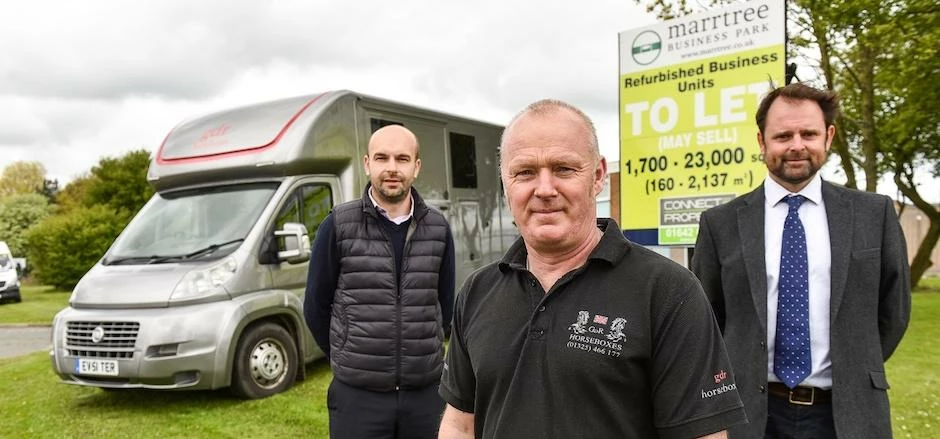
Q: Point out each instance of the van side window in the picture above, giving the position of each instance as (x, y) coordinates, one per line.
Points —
(289, 213)
(463, 161)
(308, 205)
(379, 123)
(317, 203)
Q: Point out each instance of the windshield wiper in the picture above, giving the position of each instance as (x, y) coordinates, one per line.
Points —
(195, 254)
(119, 261)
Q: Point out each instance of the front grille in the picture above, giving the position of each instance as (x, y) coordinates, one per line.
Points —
(118, 341)
(2, 283)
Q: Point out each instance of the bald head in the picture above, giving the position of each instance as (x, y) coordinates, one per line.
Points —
(392, 165)
(394, 135)
(548, 107)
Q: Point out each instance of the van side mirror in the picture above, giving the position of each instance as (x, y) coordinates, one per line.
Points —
(296, 244)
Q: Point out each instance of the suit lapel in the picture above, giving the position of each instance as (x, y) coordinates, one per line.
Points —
(839, 214)
(751, 233)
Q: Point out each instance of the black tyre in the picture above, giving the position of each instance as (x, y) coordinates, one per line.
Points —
(265, 362)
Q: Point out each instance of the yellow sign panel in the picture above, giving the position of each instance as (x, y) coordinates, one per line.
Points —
(687, 131)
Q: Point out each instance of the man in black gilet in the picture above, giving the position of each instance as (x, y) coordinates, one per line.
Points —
(379, 294)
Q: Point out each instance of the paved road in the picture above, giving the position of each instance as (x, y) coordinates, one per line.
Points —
(22, 340)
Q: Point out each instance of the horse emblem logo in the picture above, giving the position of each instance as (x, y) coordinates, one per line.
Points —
(616, 330)
(578, 327)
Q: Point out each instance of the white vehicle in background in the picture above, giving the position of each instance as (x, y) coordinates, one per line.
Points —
(204, 287)
(9, 280)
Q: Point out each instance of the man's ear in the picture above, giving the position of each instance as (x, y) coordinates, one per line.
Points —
(365, 164)
(600, 176)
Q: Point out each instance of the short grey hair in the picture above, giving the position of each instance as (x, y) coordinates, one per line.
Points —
(549, 106)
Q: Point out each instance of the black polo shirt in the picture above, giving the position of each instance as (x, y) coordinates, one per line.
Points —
(624, 346)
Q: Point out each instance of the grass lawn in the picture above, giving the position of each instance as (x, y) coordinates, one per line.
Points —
(34, 404)
(913, 372)
(39, 306)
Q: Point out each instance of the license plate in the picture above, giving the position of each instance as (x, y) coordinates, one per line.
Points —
(84, 366)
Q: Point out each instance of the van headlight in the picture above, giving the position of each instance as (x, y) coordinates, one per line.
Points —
(204, 282)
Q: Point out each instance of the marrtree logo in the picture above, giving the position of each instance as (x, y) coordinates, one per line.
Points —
(646, 47)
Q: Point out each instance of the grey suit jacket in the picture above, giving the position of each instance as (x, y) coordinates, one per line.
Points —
(870, 302)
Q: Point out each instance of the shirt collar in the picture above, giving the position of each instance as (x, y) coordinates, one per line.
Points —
(383, 212)
(774, 193)
(611, 247)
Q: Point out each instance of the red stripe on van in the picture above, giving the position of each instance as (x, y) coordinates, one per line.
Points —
(250, 150)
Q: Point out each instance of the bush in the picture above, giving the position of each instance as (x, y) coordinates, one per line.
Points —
(63, 247)
(17, 214)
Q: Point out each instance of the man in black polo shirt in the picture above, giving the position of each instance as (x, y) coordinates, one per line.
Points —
(578, 332)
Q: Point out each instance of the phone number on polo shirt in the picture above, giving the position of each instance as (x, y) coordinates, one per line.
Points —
(596, 345)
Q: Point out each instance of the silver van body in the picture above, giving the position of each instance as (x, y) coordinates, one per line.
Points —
(204, 287)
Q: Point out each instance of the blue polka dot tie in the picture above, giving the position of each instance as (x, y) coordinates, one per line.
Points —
(792, 357)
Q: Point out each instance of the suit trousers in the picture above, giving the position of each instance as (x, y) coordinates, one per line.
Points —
(794, 421)
(404, 414)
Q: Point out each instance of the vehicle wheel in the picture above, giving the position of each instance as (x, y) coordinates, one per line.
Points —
(265, 362)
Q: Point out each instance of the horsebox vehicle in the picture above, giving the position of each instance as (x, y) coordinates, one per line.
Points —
(204, 287)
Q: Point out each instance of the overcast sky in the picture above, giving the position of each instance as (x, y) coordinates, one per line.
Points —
(83, 80)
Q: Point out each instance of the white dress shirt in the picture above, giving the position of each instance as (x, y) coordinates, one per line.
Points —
(813, 215)
(397, 219)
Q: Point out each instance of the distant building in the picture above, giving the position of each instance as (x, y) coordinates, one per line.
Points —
(915, 224)
(608, 205)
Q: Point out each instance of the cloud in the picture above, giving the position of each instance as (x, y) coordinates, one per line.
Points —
(83, 80)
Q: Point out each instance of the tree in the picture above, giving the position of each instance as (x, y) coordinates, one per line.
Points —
(22, 178)
(909, 136)
(62, 248)
(881, 58)
(92, 211)
(120, 183)
(17, 214)
(75, 194)
(50, 188)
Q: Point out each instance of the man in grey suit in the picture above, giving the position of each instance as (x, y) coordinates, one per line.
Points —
(809, 282)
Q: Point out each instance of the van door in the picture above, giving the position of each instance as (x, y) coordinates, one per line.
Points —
(472, 202)
(308, 203)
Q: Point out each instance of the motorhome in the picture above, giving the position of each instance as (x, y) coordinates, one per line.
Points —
(9, 278)
(204, 287)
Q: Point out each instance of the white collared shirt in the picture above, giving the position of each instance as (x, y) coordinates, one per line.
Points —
(815, 222)
(397, 219)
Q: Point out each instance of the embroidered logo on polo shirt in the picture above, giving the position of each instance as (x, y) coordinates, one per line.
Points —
(593, 335)
(720, 376)
(616, 329)
(578, 326)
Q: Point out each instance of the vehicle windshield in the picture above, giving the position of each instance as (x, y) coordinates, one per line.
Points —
(200, 223)
(6, 263)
